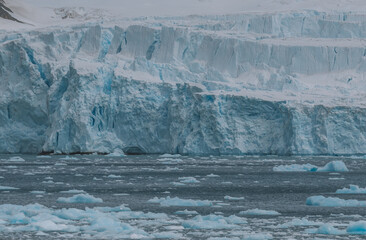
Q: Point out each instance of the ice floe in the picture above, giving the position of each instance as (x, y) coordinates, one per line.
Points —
(260, 212)
(168, 201)
(214, 222)
(333, 202)
(80, 198)
(353, 189)
(334, 166)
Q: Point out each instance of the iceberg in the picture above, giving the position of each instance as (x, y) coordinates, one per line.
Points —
(322, 201)
(334, 166)
(353, 189)
(80, 198)
(214, 222)
(168, 201)
(260, 212)
(357, 228)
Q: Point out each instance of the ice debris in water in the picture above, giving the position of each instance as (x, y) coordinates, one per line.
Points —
(188, 180)
(168, 235)
(73, 191)
(329, 230)
(166, 202)
(357, 227)
(37, 192)
(167, 155)
(214, 222)
(116, 153)
(260, 212)
(258, 236)
(334, 166)
(186, 212)
(7, 188)
(353, 189)
(36, 217)
(16, 159)
(80, 198)
(333, 202)
(299, 222)
(233, 198)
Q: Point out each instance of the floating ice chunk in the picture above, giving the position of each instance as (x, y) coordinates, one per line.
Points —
(101, 223)
(60, 164)
(223, 238)
(188, 180)
(214, 222)
(260, 212)
(107, 224)
(178, 184)
(69, 158)
(8, 188)
(43, 156)
(168, 235)
(329, 230)
(50, 226)
(167, 155)
(121, 208)
(113, 176)
(16, 159)
(80, 198)
(357, 228)
(73, 191)
(295, 168)
(70, 214)
(258, 236)
(212, 175)
(353, 189)
(38, 192)
(166, 202)
(233, 198)
(116, 153)
(186, 212)
(334, 166)
(333, 202)
(299, 222)
(170, 160)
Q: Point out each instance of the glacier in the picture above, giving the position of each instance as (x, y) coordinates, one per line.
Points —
(286, 83)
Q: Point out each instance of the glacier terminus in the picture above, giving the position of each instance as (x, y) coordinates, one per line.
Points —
(285, 83)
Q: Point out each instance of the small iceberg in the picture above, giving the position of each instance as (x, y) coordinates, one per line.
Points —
(186, 212)
(357, 228)
(116, 153)
(233, 198)
(353, 189)
(188, 180)
(16, 159)
(167, 202)
(214, 222)
(8, 188)
(322, 201)
(73, 191)
(80, 198)
(260, 212)
(167, 155)
(329, 230)
(334, 166)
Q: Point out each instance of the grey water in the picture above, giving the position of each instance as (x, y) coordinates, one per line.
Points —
(133, 180)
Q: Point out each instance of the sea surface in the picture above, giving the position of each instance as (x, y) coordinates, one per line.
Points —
(134, 180)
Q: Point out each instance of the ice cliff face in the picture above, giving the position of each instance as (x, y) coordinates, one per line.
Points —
(290, 83)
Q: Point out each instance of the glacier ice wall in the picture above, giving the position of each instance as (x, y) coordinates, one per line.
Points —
(286, 83)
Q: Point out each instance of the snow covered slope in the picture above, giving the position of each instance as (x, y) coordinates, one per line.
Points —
(289, 82)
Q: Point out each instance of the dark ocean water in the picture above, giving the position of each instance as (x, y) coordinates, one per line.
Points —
(133, 180)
